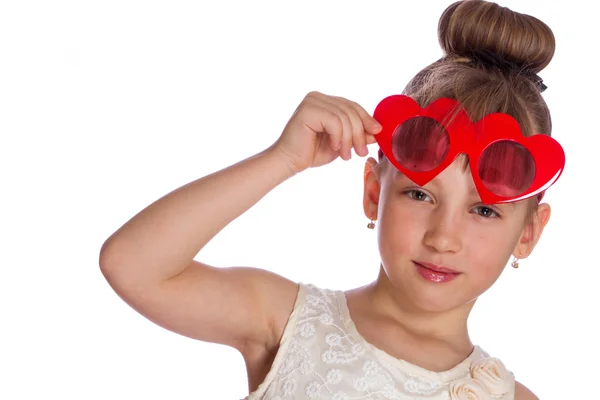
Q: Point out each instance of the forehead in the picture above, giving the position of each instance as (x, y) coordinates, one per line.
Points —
(458, 169)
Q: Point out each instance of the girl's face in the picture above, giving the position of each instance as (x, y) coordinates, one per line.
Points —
(445, 224)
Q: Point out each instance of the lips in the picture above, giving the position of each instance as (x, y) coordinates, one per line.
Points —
(437, 268)
(435, 273)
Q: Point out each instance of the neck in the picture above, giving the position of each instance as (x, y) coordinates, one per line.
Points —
(447, 326)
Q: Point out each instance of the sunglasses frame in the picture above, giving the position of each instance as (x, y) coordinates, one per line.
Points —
(470, 138)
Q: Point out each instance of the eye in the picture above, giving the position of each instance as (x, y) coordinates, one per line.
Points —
(486, 212)
(417, 195)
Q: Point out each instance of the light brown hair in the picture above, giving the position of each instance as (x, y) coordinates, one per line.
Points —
(473, 25)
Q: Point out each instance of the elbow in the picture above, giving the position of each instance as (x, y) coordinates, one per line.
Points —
(106, 258)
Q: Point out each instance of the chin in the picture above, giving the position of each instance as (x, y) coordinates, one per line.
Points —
(431, 297)
(435, 298)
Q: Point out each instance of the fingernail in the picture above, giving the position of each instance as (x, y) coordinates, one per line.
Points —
(364, 150)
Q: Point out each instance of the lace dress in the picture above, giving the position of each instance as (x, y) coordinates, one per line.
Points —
(322, 356)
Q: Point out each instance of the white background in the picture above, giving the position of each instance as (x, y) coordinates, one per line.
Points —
(106, 106)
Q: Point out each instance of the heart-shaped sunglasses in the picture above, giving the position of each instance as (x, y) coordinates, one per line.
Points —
(505, 165)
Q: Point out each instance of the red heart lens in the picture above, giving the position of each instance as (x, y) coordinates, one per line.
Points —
(420, 144)
(506, 168)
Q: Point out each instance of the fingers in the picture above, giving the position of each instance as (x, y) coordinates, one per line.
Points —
(353, 127)
(370, 139)
(354, 136)
(322, 119)
(371, 125)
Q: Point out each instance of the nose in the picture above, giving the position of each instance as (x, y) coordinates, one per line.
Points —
(444, 232)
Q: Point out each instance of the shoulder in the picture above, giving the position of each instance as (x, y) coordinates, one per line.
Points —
(285, 300)
(280, 297)
(522, 393)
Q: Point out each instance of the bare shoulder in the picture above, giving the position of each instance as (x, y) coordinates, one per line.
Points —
(522, 393)
(279, 295)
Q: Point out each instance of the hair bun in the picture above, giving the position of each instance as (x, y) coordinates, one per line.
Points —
(473, 25)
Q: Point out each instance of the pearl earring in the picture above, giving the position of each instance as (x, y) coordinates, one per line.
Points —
(515, 262)
(371, 225)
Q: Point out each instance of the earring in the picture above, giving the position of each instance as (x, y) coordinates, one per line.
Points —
(515, 262)
(371, 225)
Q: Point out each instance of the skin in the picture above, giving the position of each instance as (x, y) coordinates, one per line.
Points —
(443, 223)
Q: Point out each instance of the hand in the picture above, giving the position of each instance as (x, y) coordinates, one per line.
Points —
(324, 127)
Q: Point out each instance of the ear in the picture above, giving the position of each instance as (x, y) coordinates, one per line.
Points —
(372, 188)
(532, 231)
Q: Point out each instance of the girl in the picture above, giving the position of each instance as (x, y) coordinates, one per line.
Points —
(451, 210)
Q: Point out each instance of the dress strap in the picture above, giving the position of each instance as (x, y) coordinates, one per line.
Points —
(284, 344)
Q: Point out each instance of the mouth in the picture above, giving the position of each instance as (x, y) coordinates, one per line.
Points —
(436, 268)
(435, 273)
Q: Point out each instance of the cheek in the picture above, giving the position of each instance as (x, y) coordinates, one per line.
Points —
(488, 249)
(400, 228)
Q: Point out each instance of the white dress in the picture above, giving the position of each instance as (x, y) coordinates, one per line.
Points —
(322, 356)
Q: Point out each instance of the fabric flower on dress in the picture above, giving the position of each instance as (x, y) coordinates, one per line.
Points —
(493, 374)
(468, 389)
(489, 379)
